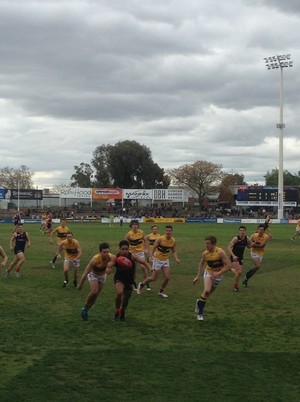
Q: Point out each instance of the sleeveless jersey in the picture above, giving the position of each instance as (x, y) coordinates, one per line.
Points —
(258, 240)
(163, 250)
(125, 275)
(21, 239)
(152, 238)
(100, 265)
(214, 262)
(239, 247)
(136, 241)
(61, 233)
(70, 249)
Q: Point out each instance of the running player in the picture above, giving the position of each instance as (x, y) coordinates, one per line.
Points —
(96, 272)
(4, 256)
(124, 278)
(151, 238)
(18, 243)
(159, 257)
(258, 241)
(236, 249)
(137, 241)
(297, 232)
(61, 234)
(72, 253)
(214, 263)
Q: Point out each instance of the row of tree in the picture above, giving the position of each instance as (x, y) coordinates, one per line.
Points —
(129, 164)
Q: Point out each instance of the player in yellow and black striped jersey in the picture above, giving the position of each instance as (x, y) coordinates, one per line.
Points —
(137, 245)
(258, 241)
(72, 253)
(159, 256)
(151, 238)
(61, 233)
(214, 263)
(96, 271)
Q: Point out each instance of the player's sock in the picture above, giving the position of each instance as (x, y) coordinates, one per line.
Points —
(54, 259)
(250, 273)
(201, 303)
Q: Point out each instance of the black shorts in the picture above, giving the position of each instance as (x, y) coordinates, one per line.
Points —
(126, 279)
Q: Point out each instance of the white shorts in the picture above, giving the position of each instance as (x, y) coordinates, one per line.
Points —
(159, 264)
(93, 277)
(73, 263)
(216, 281)
(256, 256)
(140, 254)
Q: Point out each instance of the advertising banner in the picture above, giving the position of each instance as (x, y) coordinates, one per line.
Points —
(138, 194)
(107, 193)
(76, 192)
(23, 194)
(160, 194)
(176, 194)
(4, 194)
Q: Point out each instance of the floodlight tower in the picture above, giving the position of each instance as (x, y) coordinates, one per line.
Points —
(280, 61)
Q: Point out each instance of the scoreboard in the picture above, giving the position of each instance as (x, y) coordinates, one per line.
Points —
(264, 196)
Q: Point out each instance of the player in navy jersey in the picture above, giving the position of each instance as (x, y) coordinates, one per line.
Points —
(18, 243)
(236, 249)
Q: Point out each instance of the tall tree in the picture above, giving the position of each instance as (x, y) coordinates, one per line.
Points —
(16, 178)
(127, 164)
(202, 177)
(83, 176)
(228, 185)
(289, 179)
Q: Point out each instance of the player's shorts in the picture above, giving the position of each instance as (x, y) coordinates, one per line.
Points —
(73, 263)
(159, 264)
(216, 280)
(93, 277)
(297, 229)
(240, 260)
(256, 256)
(140, 254)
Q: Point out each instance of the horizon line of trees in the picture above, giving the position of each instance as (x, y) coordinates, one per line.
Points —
(128, 164)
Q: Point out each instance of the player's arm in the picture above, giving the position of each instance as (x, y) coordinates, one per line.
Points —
(174, 252)
(51, 235)
(226, 264)
(146, 249)
(201, 268)
(28, 241)
(85, 273)
(111, 264)
(154, 247)
(142, 261)
(11, 242)
(4, 256)
(230, 248)
(79, 251)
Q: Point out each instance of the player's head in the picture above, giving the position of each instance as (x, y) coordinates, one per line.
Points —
(261, 227)
(242, 229)
(124, 247)
(154, 228)
(134, 223)
(168, 229)
(103, 246)
(69, 236)
(210, 242)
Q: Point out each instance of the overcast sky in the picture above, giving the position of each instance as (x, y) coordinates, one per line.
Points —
(185, 78)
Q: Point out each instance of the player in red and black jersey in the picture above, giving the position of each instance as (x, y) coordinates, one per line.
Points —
(236, 249)
(124, 277)
(20, 239)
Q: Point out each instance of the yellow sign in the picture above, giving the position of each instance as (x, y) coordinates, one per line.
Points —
(164, 220)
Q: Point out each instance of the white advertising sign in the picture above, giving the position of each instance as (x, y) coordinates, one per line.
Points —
(76, 192)
(137, 194)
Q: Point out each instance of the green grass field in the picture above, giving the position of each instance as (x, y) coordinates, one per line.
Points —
(247, 349)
